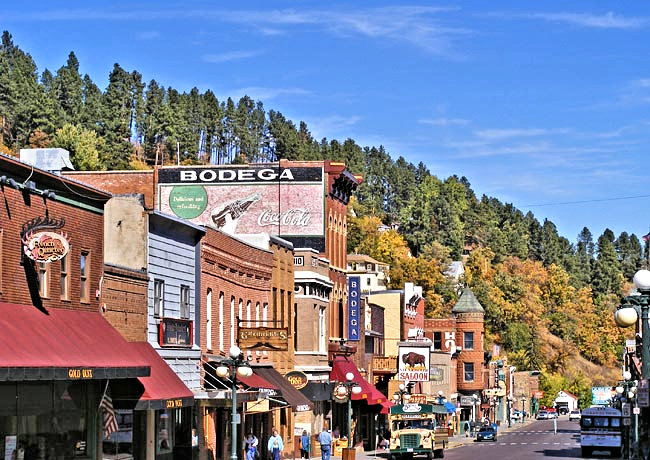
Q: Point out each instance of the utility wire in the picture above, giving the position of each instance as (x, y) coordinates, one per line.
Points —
(585, 201)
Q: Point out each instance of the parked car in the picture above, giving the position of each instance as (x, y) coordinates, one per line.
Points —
(552, 413)
(574, 415)
(486, 433)
(542, 415)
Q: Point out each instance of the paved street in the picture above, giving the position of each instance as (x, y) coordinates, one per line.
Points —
(532, 440)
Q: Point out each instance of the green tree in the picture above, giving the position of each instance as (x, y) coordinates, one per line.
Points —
(607, 277)
(68, 90)
(83, 144)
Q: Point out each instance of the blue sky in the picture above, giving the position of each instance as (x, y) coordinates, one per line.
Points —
(541, 104)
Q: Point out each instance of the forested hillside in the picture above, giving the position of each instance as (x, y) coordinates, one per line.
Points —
(533, 283)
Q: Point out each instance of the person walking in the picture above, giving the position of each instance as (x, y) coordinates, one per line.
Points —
(304, 445)
(325, 440)
(275, 445)
(251, 446)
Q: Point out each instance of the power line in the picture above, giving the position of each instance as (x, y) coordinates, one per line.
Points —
(586, 201)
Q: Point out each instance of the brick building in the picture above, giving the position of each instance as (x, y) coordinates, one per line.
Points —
(59, 356)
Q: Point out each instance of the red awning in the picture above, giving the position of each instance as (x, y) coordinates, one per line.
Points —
(255, 381)
(63, 345)
(385, 407)
(341, 366)
(163, 389)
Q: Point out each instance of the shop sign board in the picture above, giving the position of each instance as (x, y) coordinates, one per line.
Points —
(247, 199)
(354, 291)
(263, 338)
(45, 246)
(601, 396)
(413, 362)
(643, 394)
(437, 373)
(384, 364)
(297, 379)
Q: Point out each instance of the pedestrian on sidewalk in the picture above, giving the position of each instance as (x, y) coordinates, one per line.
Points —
(325, 440)
(304, 445)
(275, 445)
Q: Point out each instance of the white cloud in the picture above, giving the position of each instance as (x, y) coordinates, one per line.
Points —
(642, 82)
(229, 56)
(498, 134)
(442, 121)
(332, 126)
(603, 21)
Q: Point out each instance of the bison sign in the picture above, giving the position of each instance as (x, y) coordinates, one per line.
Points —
(414, 363)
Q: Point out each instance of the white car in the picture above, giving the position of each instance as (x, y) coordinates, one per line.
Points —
(574, 415)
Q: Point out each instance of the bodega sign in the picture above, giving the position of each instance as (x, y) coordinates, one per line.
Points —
(354, 289)
(413, 362)
(45, 246)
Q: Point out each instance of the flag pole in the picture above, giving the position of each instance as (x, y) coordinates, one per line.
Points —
(104, 394)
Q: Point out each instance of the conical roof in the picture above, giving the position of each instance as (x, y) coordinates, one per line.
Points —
(467, 302)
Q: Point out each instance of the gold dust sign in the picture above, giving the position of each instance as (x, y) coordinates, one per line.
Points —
(173, 403)
(77, 374)
(297, 379)
(45, 246)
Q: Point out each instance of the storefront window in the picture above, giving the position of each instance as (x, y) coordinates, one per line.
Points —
(164, 432)
(48, 420)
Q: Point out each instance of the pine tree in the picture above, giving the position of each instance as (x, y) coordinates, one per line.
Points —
(607, 277)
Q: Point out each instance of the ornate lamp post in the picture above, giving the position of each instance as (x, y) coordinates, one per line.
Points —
(402, 396)
(236, 365)
(627, 315)
(475, 400)
(347, 389)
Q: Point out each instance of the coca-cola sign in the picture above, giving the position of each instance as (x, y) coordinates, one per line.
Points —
(292, 217)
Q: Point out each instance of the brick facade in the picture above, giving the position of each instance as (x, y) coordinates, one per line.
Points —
(82, 212)
(232, 270)
(124, 301)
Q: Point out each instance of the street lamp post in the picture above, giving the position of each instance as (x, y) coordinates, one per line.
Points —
(494, 409)
(236, 365)
(401, 396)
(628, 313)
(348, 388)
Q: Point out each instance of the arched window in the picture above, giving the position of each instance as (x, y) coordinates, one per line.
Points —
(208, 320)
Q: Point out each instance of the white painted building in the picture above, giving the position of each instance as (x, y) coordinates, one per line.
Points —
(565, 400)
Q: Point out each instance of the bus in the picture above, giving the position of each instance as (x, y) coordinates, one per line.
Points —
(418, 429)
(601, 428)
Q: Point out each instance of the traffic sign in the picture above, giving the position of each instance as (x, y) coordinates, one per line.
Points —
(643, 394)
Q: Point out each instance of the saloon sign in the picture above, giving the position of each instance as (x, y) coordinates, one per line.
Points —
(413, 362)
(45, 246)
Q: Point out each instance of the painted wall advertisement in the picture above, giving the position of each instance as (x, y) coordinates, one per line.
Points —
(354, 290)
(413, 363)
(247, 200)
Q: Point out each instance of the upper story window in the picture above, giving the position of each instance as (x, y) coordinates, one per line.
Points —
(468, 372)
(208, 320)
(65, 278)
(158, 297)
(84, 283)
(437, 340)
(185, 301)
(43, 278)
(468, 341)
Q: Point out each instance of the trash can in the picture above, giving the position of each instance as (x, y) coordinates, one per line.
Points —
(348, 453)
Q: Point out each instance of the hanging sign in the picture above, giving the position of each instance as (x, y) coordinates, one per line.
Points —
(413, 362)
(297, 379)
(45, 246)
(354, 290)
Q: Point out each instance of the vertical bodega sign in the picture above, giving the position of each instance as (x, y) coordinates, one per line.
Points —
(354, 291)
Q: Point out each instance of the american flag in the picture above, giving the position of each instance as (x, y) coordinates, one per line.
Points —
(110, 422)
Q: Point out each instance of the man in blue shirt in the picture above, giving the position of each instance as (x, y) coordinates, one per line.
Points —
(325, 440)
